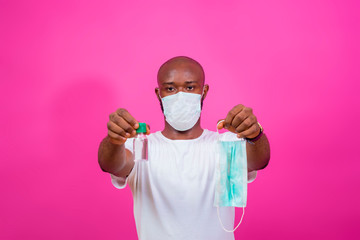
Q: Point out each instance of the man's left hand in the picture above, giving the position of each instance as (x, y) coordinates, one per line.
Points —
(242, 121)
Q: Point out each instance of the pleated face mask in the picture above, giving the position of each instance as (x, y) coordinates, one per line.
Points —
(182, 110)
(231, 173)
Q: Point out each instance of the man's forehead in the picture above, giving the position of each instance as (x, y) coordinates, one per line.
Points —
(180, 71)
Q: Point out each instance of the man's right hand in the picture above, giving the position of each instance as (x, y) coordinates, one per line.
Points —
(121, 125)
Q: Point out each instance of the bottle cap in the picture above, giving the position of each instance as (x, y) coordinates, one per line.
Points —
(142, 128)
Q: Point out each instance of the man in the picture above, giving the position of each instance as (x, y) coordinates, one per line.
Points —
(173, 191)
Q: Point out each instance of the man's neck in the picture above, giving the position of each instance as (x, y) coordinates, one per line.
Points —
(173, 134)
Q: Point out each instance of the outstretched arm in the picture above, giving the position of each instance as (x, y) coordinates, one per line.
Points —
(258, 154)
(113, 157)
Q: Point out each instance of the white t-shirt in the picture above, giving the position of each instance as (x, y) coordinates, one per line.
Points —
(173, 191)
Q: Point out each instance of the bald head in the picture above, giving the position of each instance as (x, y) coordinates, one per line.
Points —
(181, 74)
(181, 64)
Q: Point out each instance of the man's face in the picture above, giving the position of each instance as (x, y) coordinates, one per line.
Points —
(176, 77)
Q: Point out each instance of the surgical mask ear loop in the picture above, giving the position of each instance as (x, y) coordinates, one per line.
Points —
(202, 94)
(217, 207)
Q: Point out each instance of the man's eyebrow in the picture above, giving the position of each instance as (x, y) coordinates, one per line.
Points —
(168, 83)
(172, 83)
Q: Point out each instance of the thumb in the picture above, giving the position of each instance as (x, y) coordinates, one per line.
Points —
(147, 129)
(220, 124)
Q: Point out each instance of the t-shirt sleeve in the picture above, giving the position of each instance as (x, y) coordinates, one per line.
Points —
(120, 182)
(251, 176)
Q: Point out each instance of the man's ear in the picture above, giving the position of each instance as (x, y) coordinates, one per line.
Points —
(206, 89)
(157, 92)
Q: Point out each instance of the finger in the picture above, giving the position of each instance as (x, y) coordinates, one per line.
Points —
(220, 124)
(116, 138)
(232, 113)
(115, 128)
(127, 116)
(121, 122)
(249, 132)
(147, 129)
(246, 124)
(239, 118)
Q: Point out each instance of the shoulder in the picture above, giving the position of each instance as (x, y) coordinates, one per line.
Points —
(155, 136)
(208, 134)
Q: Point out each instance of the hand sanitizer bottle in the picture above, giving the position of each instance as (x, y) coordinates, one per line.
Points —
(140, 143)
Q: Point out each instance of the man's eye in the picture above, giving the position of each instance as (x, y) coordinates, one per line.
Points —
(170, 89)
(190, 88)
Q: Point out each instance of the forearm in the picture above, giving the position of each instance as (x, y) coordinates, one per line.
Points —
(111, 157)
(258, 154)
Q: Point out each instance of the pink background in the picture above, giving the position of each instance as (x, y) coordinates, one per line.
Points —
(66, 65)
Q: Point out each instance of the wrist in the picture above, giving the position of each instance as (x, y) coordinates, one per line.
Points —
(254, 139)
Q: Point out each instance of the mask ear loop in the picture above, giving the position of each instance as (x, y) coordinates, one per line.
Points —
(218, 125)
(217, 207)
(222, 225)
(202, 94)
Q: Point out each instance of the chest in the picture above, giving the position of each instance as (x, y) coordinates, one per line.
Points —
(183, 164)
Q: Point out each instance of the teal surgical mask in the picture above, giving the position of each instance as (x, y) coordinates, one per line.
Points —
(231, 174)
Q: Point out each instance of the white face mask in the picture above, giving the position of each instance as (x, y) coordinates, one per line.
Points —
(182, 110)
